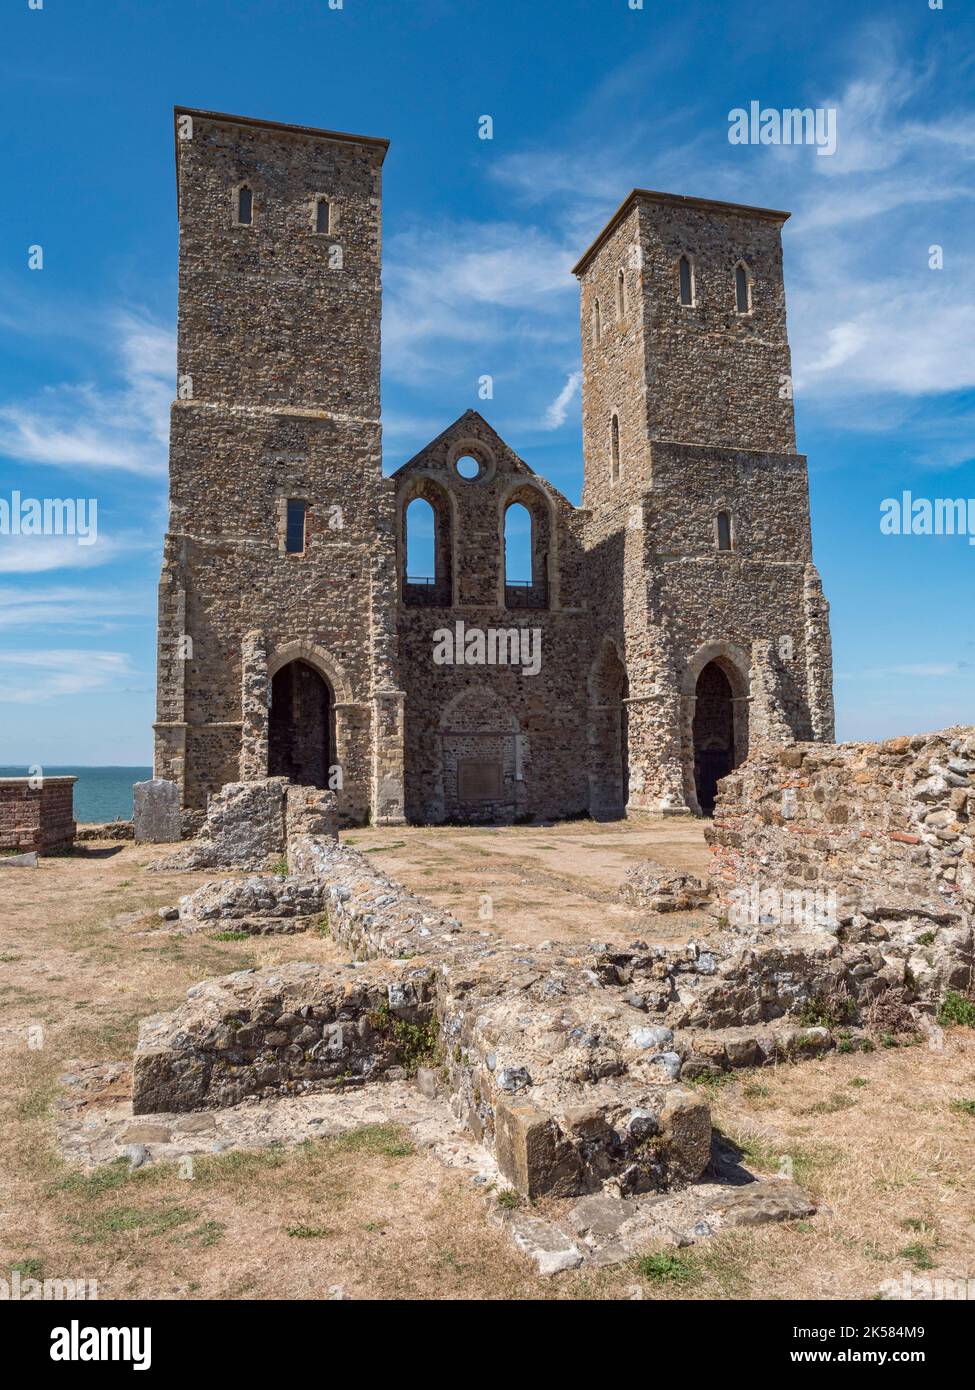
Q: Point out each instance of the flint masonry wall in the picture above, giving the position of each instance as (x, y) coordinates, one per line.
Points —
(885, 826)
(687, 411)
(38, 817)
(702, 395)
(489, 742)
(278, 371)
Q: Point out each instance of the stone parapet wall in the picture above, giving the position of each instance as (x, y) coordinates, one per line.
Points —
(37, 813)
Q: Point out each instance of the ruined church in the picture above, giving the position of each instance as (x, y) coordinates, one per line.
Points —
(671, 621)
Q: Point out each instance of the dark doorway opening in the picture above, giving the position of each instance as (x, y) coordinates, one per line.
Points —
(714, 734)
(301, 726)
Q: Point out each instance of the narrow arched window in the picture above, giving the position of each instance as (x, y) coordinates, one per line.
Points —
(685, 280)
(421, 543)
(743, 290)
(614, 448)
(597, 322)
(323, 216)
(245, 206)
(620, 295)
(518, 546)
(724, 530)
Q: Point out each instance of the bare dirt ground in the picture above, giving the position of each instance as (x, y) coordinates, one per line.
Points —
(530, 883)
(884, 1140)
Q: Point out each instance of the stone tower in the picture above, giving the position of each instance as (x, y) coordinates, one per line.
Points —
(277, 638)
(698, 536)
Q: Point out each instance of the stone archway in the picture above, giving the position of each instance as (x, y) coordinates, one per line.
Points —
(608, 734)
(301, 725)
(713, 731)
(714, 720)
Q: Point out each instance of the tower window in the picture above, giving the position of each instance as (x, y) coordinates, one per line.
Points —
(743, 289)
(724, 530)
(323, 216)
(685, 277)
(620, 295)
(294, 538)
(614, 448)
(245, 206)
(597, 321)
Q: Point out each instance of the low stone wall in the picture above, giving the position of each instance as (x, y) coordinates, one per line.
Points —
(277, 1031)
(568, 1060)
(258, 904)
(37, 813)
(869, 833)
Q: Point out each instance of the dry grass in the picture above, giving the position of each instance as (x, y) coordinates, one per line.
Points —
(884, 1139)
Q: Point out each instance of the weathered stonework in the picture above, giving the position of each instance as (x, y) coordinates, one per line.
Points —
(883, 827)
(156, 817)
(37, 813)
(666, 648)
(567, 1062)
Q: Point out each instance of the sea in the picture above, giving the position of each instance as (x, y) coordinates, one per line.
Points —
(100, 793)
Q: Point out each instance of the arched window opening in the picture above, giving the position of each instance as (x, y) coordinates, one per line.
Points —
(743, 290)
(525, 549)
(685, 277)
(421, 541)
(597, 322)
(245, 206)
(614, 448)
(620, 295)
(518, 545)
(323, 216)
(426, 548)
(724, 530)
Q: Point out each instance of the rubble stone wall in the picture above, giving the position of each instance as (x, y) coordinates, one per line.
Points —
(886, 827)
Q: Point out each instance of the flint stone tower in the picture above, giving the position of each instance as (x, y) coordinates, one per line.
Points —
(677, 614)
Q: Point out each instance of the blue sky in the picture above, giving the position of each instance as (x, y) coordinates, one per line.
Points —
(589, 98)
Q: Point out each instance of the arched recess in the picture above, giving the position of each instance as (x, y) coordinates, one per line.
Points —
(301, 725)
(540, 591)
(608, 734)
(714, 719)
(482, 759)
(436, 590)
(318, 658)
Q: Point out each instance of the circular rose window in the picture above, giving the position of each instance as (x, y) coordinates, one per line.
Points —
(467, 467)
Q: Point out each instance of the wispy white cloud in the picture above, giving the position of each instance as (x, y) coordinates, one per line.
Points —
(469, 286)
(124, 428)
(40, 554)
(87, 609)
(27, 677)
(558, 409)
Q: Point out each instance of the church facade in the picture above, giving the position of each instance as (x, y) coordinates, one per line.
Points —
(657, 631)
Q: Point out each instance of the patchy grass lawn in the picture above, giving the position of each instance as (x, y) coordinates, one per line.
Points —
(883, 1139)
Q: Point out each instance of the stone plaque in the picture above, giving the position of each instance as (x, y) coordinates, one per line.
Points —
(478, 780)
(155, 816)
